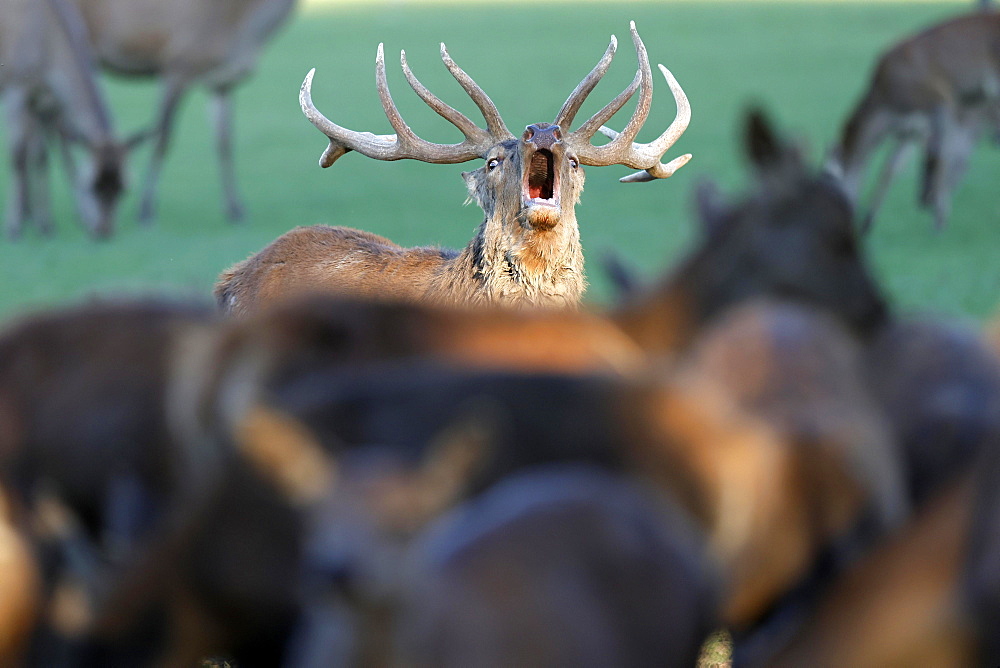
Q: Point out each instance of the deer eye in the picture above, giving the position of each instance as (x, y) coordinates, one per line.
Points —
(573, 163)
(492, 163)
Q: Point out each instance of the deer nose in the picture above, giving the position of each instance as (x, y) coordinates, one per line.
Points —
(542, 135)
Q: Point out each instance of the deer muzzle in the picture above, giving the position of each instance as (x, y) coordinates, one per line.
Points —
(542, 146)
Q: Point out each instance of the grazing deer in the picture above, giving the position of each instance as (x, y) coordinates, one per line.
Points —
(527, 250)
(49, 85)
(937, 89)
(185, 42)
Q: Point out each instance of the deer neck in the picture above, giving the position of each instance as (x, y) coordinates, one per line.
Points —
(513, 264)
(79, 91)
(664, 319)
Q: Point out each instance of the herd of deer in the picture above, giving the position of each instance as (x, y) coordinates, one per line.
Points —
(369, 457)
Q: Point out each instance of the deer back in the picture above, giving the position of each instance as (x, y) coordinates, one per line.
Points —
(187, 38)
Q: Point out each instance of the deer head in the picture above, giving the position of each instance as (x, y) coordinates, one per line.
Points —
(793, 237)
(533, 181)
(99, 184)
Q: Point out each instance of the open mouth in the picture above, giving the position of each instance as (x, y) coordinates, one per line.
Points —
(540, 184)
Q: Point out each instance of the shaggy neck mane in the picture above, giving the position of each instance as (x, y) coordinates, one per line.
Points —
(520, 266)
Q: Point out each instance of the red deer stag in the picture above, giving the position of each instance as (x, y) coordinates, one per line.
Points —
(527, 250)
(938, 89)
(48, 84)
(185, 42)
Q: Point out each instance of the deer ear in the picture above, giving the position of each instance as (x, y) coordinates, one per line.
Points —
(710, 205)
(284, 451)
(776, 160)
(762, 143)
(622, 276)
(473, 181)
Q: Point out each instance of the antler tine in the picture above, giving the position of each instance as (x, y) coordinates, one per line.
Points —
(653, 151)
(564, 119)
(610, 154)
(590, 128)
(341, 139)
(452, 115)
(622, 150)
(404, 144)
(494, 123)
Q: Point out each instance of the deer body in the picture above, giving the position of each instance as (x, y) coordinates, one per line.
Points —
(349, 261)
(937, 89)
(527, 250)
(184, 42)
(48, 85)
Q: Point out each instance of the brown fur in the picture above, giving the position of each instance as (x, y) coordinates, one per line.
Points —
(902, 605)
(20, 589)
(785, 445)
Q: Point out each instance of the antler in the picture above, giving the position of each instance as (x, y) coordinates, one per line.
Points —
(622, 150)
(405, 144)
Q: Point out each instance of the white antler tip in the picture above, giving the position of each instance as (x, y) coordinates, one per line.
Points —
(305, 91)
(631, 26)
(614, 43)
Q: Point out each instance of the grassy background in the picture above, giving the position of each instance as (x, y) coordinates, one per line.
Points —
(807, 62)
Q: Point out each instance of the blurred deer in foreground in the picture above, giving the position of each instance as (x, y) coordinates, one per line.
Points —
(937, 89)
(48, 84)
(792, 237)
(527, 250)
(185, 42)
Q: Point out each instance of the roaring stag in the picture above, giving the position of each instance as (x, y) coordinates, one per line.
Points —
(938, 89)
(48, 85)
(527, 250)
(185, 42)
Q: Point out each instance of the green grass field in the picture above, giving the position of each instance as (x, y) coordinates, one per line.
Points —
(806, 62)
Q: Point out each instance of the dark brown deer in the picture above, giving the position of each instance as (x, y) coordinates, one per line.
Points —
(791, 237)
(937, 90)
(527, 250)
(929, 595)
(902, 604)
(829, 462)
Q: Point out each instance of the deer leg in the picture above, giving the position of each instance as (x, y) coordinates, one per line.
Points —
(893, 163)
(38, 164)
(222, 114)
(174, 89)
(947, 159)
(19, 129)
(933, 157)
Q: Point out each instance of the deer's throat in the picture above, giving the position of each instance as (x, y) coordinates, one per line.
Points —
(540, 191)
